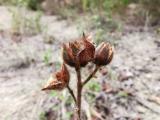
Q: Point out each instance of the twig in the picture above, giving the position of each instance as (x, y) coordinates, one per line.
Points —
(71, 92)
(91, 75)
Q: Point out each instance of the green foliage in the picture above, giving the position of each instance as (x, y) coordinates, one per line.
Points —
(61, 97)
(32, 4)
(47, 56)
(65, 13)
(42, 116)
(103, 5)
(25, 24)
(69, 115)
(100, 6)
(53, 93)
(89, 4)
(85, 4)
(152, 7)
(123, 94)
(97, 21)
(16, 21)
(94, 86)
(3, 2)
(115, 4)
(57, 65)
(112, 75)
(99, 36)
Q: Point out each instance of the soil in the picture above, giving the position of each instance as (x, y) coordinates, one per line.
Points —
(133, 76)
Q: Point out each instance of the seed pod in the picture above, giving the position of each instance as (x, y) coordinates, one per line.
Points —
(87, 54)
(60, 81)
(78, 52)
(103, 54)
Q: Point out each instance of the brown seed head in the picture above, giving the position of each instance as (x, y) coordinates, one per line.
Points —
(87, 54)
(60, 81)
(78, 52)
(103, 54)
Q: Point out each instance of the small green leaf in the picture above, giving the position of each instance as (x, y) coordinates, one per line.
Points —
(123, 94)
(47, 56)
(94, 86)
(53, 93)
(69, 114)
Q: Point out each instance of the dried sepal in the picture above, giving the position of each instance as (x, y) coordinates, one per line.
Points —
(65, 76)
(104, 54)
(59, 80)
(53, 84)
(68, 56)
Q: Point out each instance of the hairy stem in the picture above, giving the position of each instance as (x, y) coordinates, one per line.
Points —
(72, 94)
(91, 75)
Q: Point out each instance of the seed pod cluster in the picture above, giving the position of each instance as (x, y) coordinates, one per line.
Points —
(79, 53)
(83, 51)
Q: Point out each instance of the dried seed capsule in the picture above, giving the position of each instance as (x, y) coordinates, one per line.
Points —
(78, 52)
(103, 54)
(87, 54)
(60, 81)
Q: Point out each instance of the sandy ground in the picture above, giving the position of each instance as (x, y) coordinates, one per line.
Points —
(23, 72)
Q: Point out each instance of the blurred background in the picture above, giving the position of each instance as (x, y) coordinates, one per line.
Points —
(31, 35)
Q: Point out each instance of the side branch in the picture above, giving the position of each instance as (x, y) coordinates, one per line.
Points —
(72, 94)
(91, 75)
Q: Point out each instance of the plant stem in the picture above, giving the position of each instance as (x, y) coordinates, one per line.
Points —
(72, 94)
(80, 86)
(91, 75)
(79, 92)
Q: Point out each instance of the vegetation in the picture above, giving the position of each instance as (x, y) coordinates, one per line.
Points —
(103, 12)
(73, 56)
(93, 6)
(47, 56)
(25, 24)
(32, 4)
(102, 17)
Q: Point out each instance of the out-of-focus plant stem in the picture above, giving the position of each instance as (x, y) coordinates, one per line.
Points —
(91, 75)
(72, 94)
